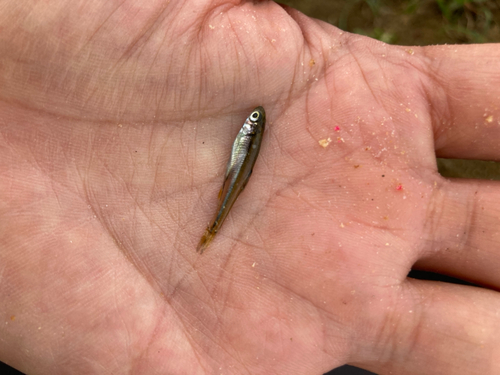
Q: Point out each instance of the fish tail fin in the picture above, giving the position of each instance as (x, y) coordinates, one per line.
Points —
(207, 237)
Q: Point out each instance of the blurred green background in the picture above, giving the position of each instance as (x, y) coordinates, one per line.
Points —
(418, 22)
(410, 22)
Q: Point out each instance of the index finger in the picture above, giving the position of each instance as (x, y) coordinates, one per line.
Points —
(465, 100)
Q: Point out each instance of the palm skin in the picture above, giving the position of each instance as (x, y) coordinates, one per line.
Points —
(116, 121)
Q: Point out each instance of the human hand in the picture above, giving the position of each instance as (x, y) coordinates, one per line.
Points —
(116, 122)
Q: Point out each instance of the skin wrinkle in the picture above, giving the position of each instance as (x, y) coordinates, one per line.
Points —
(297, 17)
(413, 335)
(412, 338)
(177, 241)
(220, 277)
(173, 285)
(197, 61)
(99, 27)
(289, 93)
(240, 72)
(122, 97)
(318, 307)
(308, 47)
(264, 160)
(63, 79)
(280, 147)
(200, 36)
(437, 124)
(203, 84)
(431, 298)
(315, 207)
(143, 35)
(220, 305)
(124, 325)
(135, 46)
(367, 85)
(161, 98)
(240, 233)
(209, 293)
(181, 228)
(460, 240)
(307, 125)
(116, 237)
(383, 335)
(193, 341)
(434, 214)
(114, 71)
(185, 332)
(171, 264)
(89, 97)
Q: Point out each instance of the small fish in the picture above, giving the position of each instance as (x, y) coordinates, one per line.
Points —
(246, 148)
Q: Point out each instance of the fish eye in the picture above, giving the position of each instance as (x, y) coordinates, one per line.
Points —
(254, 116)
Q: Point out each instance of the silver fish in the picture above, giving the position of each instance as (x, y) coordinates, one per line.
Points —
(246, 148)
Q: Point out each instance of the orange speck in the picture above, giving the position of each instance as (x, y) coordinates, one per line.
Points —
(312, 62)
(13, 317)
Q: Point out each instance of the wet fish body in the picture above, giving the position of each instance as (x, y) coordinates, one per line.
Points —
(244, 153)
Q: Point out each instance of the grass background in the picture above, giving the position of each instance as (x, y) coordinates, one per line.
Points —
(410, 22)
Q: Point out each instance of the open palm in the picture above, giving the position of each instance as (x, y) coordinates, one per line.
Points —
(116, 122)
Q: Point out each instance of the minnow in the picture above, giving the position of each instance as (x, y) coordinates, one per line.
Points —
(245, 150)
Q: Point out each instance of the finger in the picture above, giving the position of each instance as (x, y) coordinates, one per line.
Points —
(463, 232)
(465, 100)
(439, 328)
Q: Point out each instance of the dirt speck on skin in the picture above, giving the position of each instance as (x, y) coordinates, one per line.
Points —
(325, 142)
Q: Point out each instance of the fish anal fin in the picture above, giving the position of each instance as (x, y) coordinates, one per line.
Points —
(205, 240)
